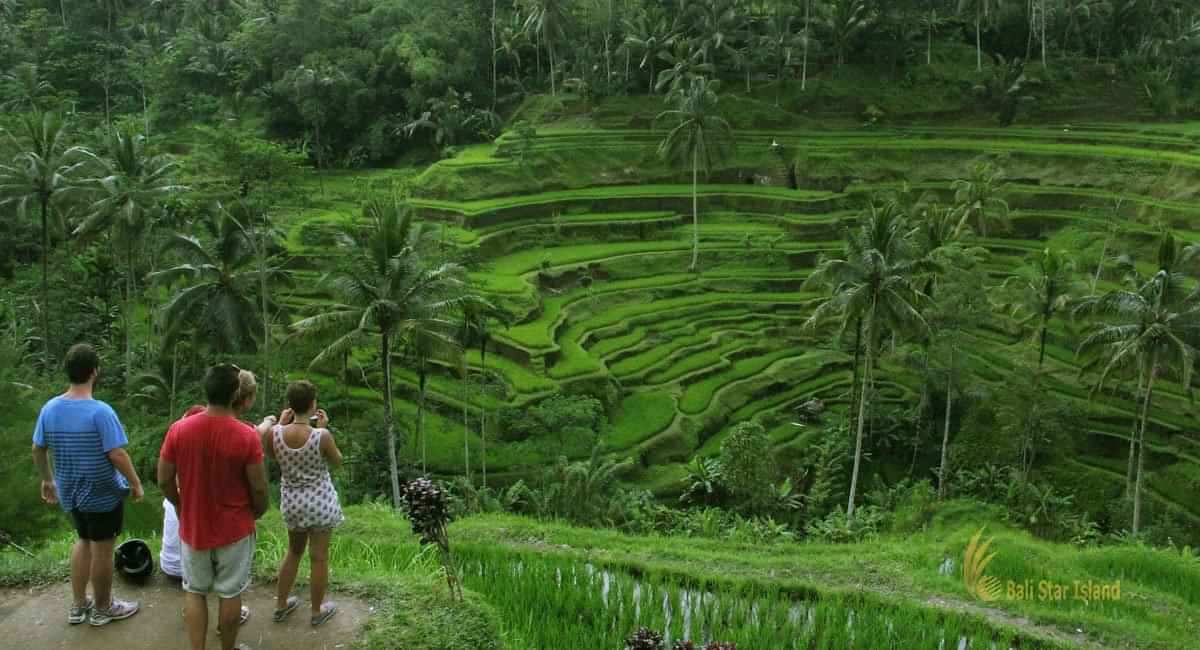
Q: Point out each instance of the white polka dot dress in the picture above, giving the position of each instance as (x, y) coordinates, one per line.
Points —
(308, 499)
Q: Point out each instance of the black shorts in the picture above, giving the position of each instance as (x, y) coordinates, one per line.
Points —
(99, 526)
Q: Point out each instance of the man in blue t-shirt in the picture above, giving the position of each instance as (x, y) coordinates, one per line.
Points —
(92, 475)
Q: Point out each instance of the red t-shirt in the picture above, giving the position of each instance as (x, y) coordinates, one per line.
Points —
(210, 455)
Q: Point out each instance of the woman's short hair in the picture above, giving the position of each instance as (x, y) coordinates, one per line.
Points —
(300, 395)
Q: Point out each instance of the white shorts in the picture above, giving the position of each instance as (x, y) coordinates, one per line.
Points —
(169, 558)
(224, 570)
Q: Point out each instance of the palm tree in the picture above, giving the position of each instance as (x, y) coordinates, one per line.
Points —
(979, 197)
(26, 88)
(686, 64)
(779, 42)
(808, 41)
(310, 88)
(699, 133)
(546, 17)
(873, 290)
(390, 289)
(478, 318)
(931, 23)
(222, 280)
(1152, 328)
(41, 172)
(650, 36)
(1049, 291)
(844, 21)
(981, 9)
(265, 241)
(429, 340)
(716, 22)
(132, 186)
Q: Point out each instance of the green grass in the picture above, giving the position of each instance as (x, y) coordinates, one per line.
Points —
(1160, 589)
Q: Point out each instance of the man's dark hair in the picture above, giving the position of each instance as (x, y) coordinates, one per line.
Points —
(221, 384)
(80, 362)
(300, 395)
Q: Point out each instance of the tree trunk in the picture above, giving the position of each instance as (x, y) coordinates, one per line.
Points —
(62, 9)
(1042, 347)
(854, 370)
(128, 310)
(174, 379)
(466, 432)
(651, 76)
(320, 159)
(45, 200)
(266, 319)
(550, 51)
(1100, 264)
(695, 210)
(493, 56)
(1043, 33)
(388, 423)
(1141, 465)
(807, 38)
(929, 40)
(421, 414)
(1031, 32)
(946, 427)
(858, 441)
(1133, 437)
(978, 41)
(483, 440)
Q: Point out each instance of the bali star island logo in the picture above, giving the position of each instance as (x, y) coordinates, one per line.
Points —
(975, 560)
(989, 589)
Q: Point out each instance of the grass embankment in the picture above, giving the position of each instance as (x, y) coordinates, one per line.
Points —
(1158, 609)
(373, 555)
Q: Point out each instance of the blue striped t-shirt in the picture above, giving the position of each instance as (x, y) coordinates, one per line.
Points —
(79, 434)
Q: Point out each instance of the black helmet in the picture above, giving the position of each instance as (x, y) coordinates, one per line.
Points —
(134, 560)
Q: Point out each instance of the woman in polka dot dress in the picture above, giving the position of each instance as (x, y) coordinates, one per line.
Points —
(308, 499)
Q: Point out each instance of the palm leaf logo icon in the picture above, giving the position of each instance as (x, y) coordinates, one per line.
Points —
(975, 560)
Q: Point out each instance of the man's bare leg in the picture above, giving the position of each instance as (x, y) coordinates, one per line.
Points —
(102, 572)
(195, 616)
(81, 571)
(230, 621)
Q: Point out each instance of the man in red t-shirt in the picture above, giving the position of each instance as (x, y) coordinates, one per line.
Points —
(221, 491)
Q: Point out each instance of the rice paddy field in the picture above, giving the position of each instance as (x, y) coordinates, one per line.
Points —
(692, 354)
(583, 236)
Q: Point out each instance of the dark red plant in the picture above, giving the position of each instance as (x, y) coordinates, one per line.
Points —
(644, 639)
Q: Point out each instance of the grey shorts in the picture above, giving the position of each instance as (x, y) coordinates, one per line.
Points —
(224, 570)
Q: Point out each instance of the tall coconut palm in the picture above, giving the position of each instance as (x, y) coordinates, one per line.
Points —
(808, 42)
(780, 43)
(132, 186)
(547, 18)
(43, 170)
(311, 90)
(1047, 292)
(478, 319)
(699, 133)
(844, 21)
(428, 341)
(391, 285)
(1154, 329)
(650, 37)
(979, 198)
(981, 9)
(873, 290)
(686, 64)
(716, 23)
(221, 281)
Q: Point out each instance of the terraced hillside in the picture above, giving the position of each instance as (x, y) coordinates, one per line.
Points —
(583, 235)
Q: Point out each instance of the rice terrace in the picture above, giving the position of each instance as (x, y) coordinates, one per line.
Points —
(600, 324)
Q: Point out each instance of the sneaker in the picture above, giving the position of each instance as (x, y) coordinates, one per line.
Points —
(281, 615)
(245, 616)
(327, 612)
(80, 614)
(120, 609)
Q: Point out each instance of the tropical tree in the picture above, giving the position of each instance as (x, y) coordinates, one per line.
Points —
(650, 37)
(546, 17)
(1047, 292)
(26, 88)
(311, 90)
(872, 290)
(979, 198)
(686, 64)
(808, 42)
(716, 24)
(391, 285)
(430, 340)
(1153, 329)
(981, 9)
(931, 23)
(844, 21)
(479, 317)
(780, 41)
(218, 302)
(699, 133)
(43, 170)
(131, 188)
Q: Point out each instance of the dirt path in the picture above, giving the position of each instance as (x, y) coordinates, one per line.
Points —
(37, 618)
